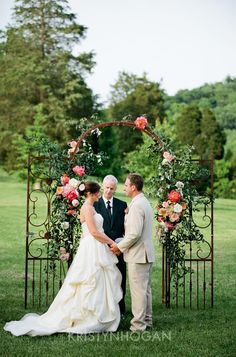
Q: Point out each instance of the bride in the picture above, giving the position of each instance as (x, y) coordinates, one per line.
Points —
(88, 299)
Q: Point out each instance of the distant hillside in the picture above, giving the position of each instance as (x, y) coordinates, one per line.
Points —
(220, 97)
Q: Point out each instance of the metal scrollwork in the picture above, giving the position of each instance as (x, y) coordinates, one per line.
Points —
(37, 249)
(200, 249)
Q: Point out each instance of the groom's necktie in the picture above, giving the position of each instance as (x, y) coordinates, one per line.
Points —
(109, 209)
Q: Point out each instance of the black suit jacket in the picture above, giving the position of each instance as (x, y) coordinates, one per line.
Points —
(114, 228)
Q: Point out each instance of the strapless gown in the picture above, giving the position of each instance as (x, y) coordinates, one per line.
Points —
(88, 299)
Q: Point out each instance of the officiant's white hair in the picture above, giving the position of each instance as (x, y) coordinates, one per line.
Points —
(110, 178)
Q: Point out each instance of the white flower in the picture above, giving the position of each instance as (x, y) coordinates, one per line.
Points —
(66, 225)
(179, 184)
(73, 183)
(82, 187)
(99, 158)
(165, 162)
(178, 208)
(75, 203)
(96, 131)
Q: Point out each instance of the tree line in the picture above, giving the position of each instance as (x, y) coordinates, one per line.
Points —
(44, 94)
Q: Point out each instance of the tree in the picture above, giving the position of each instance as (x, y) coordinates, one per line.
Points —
(40, 68)
(213, 137)
(132, 96)
(188, 126)
(199, 128)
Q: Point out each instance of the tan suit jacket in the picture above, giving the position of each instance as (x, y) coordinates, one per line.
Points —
(137, 244)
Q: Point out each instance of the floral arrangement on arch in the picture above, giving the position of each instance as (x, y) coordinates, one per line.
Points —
(69, 186)
(65, 216)
(172, 207)
(170, 210)
(173, 186)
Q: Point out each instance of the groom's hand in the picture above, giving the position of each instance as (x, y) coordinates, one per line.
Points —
(114, 248)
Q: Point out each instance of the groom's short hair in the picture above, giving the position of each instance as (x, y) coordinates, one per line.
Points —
(136, 180)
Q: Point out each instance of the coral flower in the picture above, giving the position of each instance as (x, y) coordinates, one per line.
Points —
(141, 122)
(59, 190)
(174, 196)
(65, 179)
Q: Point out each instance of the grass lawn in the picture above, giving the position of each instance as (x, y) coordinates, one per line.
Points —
(177, 332)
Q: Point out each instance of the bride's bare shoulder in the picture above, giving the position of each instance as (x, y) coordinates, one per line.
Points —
(86, 208)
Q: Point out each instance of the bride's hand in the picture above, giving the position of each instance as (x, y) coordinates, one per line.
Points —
(114, 248)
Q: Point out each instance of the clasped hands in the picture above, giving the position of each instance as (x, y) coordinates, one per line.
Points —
(114, 248)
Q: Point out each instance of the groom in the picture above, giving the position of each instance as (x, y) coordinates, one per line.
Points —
(113, 211)
(138, 252)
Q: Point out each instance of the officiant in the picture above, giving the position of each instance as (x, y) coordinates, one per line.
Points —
(113, 212)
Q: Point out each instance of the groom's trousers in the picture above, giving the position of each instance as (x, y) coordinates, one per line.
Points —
(141, 295)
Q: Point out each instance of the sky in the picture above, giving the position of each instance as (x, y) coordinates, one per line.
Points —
(181, 44)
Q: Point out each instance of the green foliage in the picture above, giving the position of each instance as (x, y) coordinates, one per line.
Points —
(219, 97)
(140, 160)
(224, 186)
(188, 126)
(199, 128)
(213, 137)
(40, 68)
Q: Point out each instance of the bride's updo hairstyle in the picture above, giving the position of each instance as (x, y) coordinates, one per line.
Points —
(90, 186)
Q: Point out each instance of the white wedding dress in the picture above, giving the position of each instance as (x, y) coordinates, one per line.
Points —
(88, 299)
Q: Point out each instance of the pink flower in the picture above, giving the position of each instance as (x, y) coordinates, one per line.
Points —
(72, 143)
(174, 196)
(169, 225)
(168, 156)
(65, 257)
(79, 170)
(174, 217)
(72, 150)
(141, 123)
(165, 204)
(71, 195)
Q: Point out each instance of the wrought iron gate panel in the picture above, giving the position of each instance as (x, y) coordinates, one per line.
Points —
(195, 289)
(41, 282)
